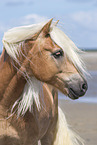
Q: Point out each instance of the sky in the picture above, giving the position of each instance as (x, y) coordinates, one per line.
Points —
(78, 18)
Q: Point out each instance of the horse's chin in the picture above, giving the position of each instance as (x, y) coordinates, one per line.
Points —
(73, 96)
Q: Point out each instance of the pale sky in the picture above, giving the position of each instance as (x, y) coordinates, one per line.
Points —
(78, 18)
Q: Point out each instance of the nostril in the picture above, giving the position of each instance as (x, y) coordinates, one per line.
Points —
(84, 86)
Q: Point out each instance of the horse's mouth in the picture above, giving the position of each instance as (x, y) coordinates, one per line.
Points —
(74, 88)
(72, 94)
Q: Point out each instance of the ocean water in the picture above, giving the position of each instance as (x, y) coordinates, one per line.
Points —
(91, 94)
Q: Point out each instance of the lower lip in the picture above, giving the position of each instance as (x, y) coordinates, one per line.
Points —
(72, 96)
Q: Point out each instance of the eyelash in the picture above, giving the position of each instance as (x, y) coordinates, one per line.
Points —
(58, 54)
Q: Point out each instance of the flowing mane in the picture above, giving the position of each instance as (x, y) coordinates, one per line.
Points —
(12, 41)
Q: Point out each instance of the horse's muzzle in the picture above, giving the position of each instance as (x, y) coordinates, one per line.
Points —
(77, 87)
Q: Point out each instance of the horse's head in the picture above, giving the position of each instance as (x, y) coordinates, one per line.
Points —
(49, 55)
(56, 65)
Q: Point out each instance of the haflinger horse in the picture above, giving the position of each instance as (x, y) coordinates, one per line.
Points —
(36, 62)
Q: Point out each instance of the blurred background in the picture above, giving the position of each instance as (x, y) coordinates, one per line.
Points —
(78, 19)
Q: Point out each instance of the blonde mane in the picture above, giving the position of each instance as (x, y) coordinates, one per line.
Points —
(12, 42)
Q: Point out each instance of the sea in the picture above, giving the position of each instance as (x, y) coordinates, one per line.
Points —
(91, 94)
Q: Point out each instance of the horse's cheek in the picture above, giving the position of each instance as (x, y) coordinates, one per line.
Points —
(42, 72)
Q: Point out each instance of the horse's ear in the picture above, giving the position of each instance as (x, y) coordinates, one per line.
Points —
(45, 30)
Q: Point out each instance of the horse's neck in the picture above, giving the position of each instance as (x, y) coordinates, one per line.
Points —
(6, 72)
(49, 99)
(11, 81)
(12, 84)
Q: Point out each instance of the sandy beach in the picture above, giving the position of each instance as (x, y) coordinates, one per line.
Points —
(82, 118)
(90, 60)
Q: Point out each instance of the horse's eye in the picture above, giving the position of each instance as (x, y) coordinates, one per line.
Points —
(58, 54)
(47, 35)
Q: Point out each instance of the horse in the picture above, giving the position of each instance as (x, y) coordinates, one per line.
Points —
(38, 60)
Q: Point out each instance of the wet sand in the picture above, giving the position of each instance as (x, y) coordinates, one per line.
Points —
(90, 59)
